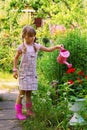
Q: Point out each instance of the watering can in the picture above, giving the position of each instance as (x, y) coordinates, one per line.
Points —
(62, 57)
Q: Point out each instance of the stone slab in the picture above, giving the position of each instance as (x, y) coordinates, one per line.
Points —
(8, 120)
(7, 114)
(6, 105)
(9, 125)
(6, 95)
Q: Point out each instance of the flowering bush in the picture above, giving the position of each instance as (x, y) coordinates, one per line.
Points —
(76, 80)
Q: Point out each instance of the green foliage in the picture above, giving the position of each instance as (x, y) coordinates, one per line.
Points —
(65, 12)
(73, 41)
(47, 115)
(49, 67)
(50, 116)
(76, 81)
(50, 70)
(76, 43)
(6, 58)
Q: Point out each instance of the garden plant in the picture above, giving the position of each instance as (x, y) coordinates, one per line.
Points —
(50, 102)
(53, 101)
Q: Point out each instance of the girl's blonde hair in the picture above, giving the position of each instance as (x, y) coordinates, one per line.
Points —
(30, 31)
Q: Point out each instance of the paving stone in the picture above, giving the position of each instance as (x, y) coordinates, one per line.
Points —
(6, 105)
(7, 114)
(9, 125)
(7, 111)
(6, 95)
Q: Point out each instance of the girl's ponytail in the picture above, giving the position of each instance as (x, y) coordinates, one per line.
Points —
(24, 47)
(35, 49)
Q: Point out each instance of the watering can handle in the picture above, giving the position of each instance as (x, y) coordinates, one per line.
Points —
(62, 48)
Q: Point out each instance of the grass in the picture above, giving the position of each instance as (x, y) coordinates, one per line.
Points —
(7, 81)
(4, 76)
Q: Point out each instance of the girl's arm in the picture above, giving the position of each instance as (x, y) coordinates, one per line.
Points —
(15, 71)
(16, 60)
(50, 49)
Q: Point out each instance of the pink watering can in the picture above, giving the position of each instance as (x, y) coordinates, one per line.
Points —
(62, 57)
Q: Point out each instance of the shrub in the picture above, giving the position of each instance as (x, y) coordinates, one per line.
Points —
(73, 41)
(6, 58)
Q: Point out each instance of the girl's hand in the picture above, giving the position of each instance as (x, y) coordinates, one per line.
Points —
(15, 74)
(60, 46)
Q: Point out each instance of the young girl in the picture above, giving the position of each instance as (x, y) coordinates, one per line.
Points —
(27, 71)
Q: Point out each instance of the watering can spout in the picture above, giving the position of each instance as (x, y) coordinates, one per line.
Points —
(62, 57)
(68, 64)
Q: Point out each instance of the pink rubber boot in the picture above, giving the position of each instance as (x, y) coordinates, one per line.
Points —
(19, 115)
(29, 109)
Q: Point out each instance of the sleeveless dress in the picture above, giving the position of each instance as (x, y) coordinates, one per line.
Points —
(27, 69)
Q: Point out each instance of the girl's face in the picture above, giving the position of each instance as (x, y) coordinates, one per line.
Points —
(29, 39)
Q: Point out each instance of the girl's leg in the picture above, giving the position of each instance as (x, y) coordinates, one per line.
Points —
(28, 96)
(18, 106)
(20, 96)
(29, 103)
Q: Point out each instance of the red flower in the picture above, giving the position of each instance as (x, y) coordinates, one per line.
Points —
(70, 82)
(81, 73)
(70, 70)
(85, 77)
(79, 80)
